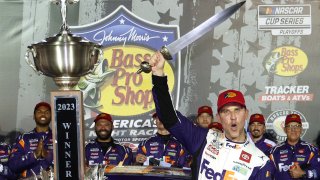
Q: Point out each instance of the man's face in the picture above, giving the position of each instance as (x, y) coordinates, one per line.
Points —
(204, 119)
(293, 131)
(42, 116)
(257, 129)
(103, 129)
(233, 117)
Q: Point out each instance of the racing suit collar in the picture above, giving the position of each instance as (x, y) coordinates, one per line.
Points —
(288, 145)
(260, 140)
(236, 145)
(47, 132)
(112, 140)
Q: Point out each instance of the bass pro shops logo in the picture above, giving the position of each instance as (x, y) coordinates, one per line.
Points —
(286, 61)
(127, 40)
(114, 86)
(275, 123)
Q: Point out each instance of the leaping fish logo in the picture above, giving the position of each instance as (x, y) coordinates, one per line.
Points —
(89, 84)
(272, 62)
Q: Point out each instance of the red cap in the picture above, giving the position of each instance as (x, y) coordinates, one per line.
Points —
(154, 115)
(205, 109)
(104, 116)
(292, 118)
(257, 118)
(42, 104)
(216, 125)
(230, 96)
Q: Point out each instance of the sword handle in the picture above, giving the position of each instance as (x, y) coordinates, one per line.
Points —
(165, 53)
(145, 66)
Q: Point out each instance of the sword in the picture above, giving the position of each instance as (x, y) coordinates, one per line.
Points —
(191, 36)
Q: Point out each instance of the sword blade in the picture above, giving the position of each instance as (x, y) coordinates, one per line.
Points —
(196, 33)
(202, 29)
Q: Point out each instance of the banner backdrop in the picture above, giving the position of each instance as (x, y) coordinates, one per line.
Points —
(269, 50)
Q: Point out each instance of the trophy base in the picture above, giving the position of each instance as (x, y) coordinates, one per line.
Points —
(68, 135)
(66, 83)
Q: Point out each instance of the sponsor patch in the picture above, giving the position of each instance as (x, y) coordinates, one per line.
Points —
(154, 148)
(284, 156)
(94, 157)
(209, 173)
(173, 146)
(4, 160)
(267, 174)
(232, 145)
(94, 149)
(171, 154)
(210, 155)
(213, 149)
(112, 158)
(154, 144)
(246, 157)
(240, 169)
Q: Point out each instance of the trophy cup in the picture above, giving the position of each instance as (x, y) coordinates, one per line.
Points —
(66, 57)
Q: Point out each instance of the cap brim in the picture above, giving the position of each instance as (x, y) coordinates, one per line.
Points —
(232, 102)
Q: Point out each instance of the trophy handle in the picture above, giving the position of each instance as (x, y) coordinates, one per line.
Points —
(28, 60)
(99, 59)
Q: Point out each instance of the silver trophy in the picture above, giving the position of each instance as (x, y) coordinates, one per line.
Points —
(64, 57)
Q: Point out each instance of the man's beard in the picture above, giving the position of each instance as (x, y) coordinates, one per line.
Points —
(256, 134)
(105, 136)
(43, 123)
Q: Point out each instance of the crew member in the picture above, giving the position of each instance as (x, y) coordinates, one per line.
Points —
(257, 130)
(161, 149)
(32, 151)
(294, 158)
(205, 116)
(104, 150)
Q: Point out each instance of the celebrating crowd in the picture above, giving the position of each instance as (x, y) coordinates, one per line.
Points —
(214, 147)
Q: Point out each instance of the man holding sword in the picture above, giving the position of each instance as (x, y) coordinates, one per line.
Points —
(215, 155)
